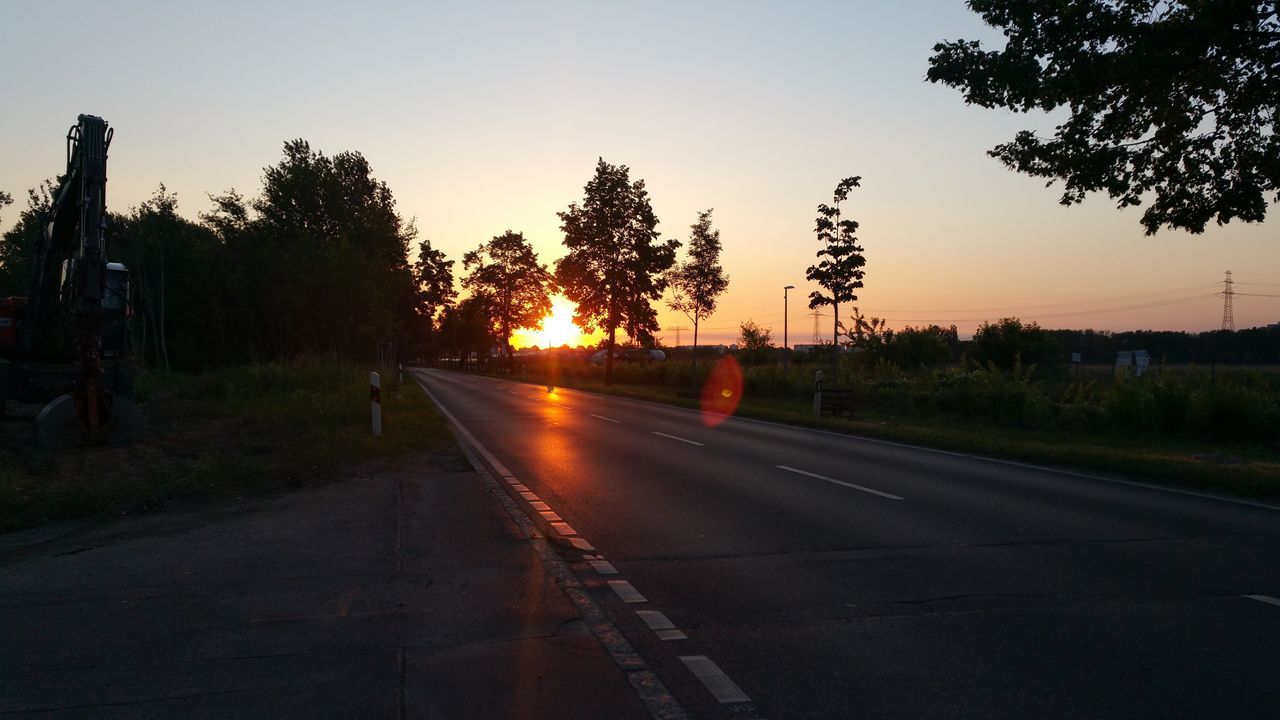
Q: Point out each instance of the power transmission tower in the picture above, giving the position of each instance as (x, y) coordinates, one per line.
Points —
(1228, 318)
(677, 329)
(817, 326)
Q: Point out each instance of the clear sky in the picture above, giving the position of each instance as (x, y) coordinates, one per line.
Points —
(488, 116)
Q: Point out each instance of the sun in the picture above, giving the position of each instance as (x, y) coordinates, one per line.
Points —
(557, 328)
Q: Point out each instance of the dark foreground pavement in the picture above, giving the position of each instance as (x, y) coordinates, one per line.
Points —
(405, 594)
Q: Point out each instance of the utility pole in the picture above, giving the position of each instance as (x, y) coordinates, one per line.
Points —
(786, 348)
(1228, 291)
(677, 330)
(817, 326)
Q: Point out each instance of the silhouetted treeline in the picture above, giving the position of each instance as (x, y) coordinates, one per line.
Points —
(316, 264)
(1253, 346)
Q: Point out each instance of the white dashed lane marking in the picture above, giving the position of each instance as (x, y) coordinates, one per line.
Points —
(608, 419)
(1265, 598)
(603, 567)
(838, 482)
(724, 689)
(660, 625)
(677, 437)
(625, 592)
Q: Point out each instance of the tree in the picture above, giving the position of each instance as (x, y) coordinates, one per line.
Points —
(434, 275)
(506, 275)
(839, 270)
(699, 281)
(615, 266)
(754, 341)
(1010, 343)
(1174, 98)
(18, 245)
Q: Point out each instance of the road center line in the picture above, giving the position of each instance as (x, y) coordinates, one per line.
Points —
(838, 482)
(714, 678)
(609, 419)
(676, 437)
(1265, 598)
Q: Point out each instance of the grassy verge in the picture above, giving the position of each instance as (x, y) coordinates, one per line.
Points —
(236, 432)
(1243, 470)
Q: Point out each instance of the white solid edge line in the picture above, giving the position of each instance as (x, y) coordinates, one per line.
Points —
(626, 591)
(494, 463)
(677, 437)
(724, 689)
(838, 482)
(656, 620)
(952, 453)
(1265, 598)
(604, 418)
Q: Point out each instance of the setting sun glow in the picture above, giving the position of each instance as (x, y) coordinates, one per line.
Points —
(557, 328)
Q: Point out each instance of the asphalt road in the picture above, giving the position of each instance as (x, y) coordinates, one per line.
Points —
(832, 576)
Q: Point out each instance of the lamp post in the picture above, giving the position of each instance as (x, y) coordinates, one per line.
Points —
(786, 348)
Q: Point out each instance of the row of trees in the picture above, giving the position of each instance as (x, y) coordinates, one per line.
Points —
(316, 264)
(319, 263)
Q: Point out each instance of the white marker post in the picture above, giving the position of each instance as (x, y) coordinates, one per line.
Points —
(375, 398)
(817, 394)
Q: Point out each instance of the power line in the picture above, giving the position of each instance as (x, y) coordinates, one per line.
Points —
(1228, 315)
(1017, 308)
(1072, 313)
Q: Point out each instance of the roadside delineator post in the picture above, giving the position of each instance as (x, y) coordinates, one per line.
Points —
(375, 401)
(817, 394)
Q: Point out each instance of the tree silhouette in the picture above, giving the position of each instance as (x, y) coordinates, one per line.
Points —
(505, 274)
(1173, 98)
(615, 266)
(18, 245)
(839, 270)
(700, 280)
(754, 337)
(434, 275)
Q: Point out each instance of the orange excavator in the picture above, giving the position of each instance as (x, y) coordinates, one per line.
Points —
(63, 344)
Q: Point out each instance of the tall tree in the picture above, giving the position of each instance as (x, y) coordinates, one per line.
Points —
(434, 275)
(1176, 99)
(616, 266)
(698, 282)
(839, 270)
(506, 275)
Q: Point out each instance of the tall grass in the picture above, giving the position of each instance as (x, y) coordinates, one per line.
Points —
(238, 431)
(1235, 407)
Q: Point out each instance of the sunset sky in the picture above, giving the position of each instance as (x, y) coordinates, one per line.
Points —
(484, 117)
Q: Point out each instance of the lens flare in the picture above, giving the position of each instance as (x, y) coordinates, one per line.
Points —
(722, 393)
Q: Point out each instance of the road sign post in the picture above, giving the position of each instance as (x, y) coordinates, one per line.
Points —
(817, 394)
(375, 401)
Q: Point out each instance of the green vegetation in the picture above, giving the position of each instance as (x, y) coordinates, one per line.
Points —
(1190, 428)
(1150, 88)
(240, 431)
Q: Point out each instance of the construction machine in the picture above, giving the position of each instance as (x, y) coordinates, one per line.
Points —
(63, 344)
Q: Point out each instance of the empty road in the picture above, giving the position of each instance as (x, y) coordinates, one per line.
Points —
(780, 572)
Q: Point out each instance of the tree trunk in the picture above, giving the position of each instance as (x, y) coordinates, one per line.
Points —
(608, 356)
(164, 341)
(835, 340)
(695, 348)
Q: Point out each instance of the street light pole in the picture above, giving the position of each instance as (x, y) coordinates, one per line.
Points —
(786, 348)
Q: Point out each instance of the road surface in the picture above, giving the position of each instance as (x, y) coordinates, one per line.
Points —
(819, 575)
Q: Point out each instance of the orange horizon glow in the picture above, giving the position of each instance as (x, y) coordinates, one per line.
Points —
(558, 329)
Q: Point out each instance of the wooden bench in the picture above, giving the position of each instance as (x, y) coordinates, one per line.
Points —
(836, 401)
